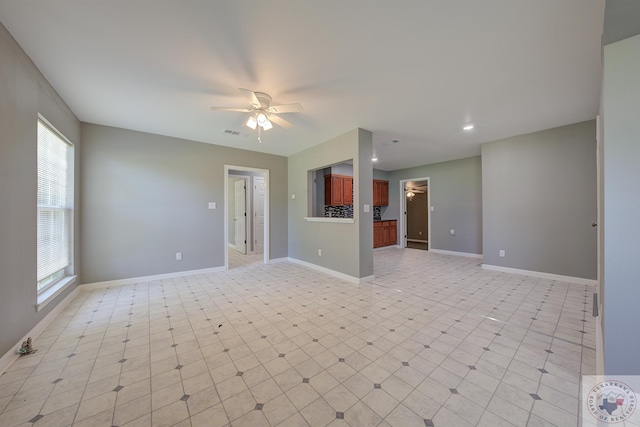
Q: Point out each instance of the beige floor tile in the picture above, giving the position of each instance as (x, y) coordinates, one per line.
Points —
(323, 382)
(340, 398)
(266, 390)
(380, 401)
(214, 416)
(95, 405)
(403, 416)
(102, 419)
(170, 415)
(285, 329)
(318, 413)
(278, 409)
(132, 410)
(301, 395)
(288, 379)
(360, 415)
(239, 405)
(445, 417)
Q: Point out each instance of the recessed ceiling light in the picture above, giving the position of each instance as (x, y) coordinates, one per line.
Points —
(467, 127)
(374, 159)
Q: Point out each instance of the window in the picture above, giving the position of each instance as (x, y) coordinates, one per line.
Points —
(55, 211)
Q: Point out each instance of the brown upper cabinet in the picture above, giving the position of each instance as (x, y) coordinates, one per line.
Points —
(380, 192)
(338, 190)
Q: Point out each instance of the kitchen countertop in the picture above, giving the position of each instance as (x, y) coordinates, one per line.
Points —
(380, 220)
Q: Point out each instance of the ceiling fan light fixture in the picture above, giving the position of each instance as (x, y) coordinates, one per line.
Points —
(267, 124)
(251, 123)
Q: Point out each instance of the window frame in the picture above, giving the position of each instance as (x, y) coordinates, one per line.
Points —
(65, 276)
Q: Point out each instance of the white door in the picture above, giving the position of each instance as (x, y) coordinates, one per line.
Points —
(258, 214)
(240, 216)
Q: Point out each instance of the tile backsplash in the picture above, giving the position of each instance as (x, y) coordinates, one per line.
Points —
(377, 213)
(347, 212)
(338, 211)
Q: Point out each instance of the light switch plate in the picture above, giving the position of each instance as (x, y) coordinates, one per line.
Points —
(212, 205)
(366, 208)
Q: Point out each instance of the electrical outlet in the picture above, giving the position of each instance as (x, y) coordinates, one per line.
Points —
(419, 233)
(319, 252)
(178, 256)
(502, 253)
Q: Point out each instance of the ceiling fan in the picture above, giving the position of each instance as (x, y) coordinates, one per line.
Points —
(262, 114)
(411, 192)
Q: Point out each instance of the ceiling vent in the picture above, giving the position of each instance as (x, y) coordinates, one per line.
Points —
(235, 133)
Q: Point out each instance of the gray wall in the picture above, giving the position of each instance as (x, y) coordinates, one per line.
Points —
(539, 201)
(346, 248)
(456, 195)
(145, 196)
(24, 93)
(380, 174)
(363, 194)
(342, 169)
(621, 103)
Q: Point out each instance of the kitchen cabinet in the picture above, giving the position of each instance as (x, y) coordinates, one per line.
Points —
(338, 190)
(385, 233)
(380, 192)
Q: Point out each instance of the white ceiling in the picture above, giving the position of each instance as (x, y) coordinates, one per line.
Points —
(411, 70)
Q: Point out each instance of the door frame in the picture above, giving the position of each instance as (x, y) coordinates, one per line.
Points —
(227, 168)
(403, 211)
(253, 212)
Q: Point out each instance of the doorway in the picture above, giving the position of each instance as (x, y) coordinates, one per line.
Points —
(246, 215)
(416, 210)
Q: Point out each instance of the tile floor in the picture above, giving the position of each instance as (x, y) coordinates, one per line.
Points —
(433, 341)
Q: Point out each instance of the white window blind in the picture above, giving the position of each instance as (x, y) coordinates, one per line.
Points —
(54, 205)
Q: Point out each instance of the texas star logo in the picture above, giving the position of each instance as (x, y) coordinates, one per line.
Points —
(611, 401)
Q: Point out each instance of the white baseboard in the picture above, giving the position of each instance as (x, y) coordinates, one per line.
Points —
(540, 274)
(599, 345)
(12, 355)
(333, 273)
(465, 254)
(232, 246)
(132, 280)
(417, 241)
(278, 260)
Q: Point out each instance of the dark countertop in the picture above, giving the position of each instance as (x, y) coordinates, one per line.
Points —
(380, 220)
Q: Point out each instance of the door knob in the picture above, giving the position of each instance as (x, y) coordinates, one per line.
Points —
(594, 224)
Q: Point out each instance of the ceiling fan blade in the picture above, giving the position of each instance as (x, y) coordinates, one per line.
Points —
(280, 121)
(255, 102)
(286, 108)
(239, 110)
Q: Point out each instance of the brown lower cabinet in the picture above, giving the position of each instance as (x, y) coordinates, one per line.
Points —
(385, 233)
